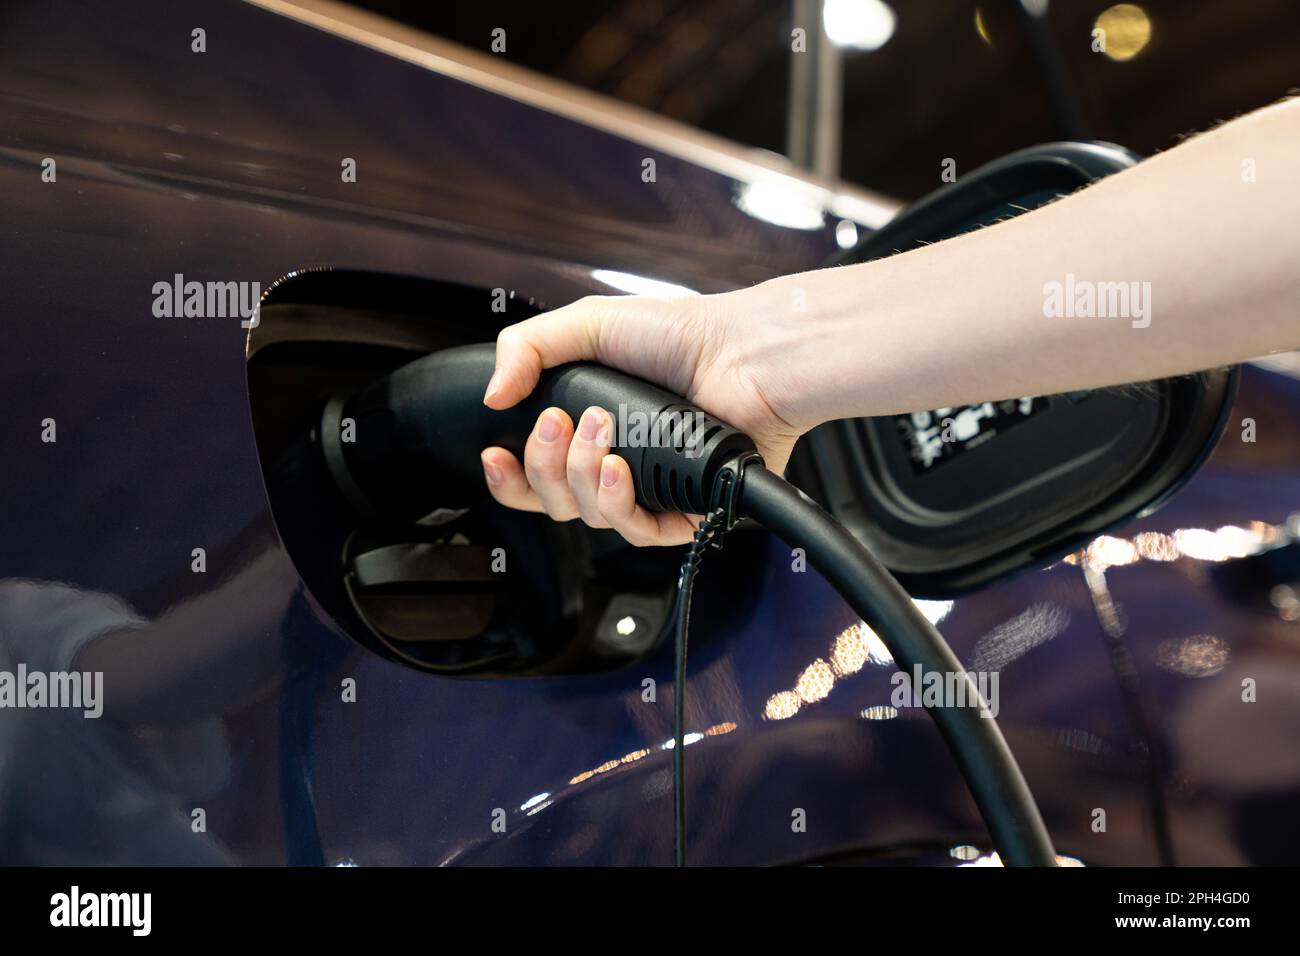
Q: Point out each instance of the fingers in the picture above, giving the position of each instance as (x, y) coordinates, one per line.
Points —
(545, 457)
(569, 474)
(590, 446)
(617, 502)
(524, 349)
(541, 483)
(506, 481)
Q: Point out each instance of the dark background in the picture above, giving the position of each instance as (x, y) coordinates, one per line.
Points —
(936, 89)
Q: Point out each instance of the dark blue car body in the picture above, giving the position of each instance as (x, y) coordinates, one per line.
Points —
(1121, 688)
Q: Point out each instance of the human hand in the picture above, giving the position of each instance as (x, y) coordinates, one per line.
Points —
(699, 347)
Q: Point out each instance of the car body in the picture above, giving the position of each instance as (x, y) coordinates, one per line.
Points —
(262, 734)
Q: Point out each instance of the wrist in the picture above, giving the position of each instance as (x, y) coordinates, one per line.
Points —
(802, 334)
(775, 339)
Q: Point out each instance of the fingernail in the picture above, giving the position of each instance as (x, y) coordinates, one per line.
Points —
(494, 384)
(493, 473)
(590, 427)
(549, 428)
(608, 473)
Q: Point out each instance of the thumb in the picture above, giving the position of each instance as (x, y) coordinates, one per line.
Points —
(544, 341)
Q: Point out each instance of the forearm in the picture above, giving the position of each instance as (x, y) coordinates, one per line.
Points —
(206, 655)
(1215, 258)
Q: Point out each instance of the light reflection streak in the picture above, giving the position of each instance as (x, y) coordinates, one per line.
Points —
(716, 730)
(992, 859)
(1201, 655)
(853, 648)
(1200, 544)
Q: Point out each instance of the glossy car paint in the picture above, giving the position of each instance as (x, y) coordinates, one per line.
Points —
(238, 739)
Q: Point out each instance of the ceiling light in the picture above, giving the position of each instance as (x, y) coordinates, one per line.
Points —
(860, 24)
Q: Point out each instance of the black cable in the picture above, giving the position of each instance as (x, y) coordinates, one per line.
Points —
(708, 529)
(423, 426)
(990, 769)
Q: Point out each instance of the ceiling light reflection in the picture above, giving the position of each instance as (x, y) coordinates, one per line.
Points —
(639, 285)
(934, 611)
(1201, 655)
(815, 682)
(1201, 544)
(783, 201)
(1107, 552)
(688, 739)
(992, 859)
(781, 705)
(1221, 545)
(1155, 546)
(879, 712)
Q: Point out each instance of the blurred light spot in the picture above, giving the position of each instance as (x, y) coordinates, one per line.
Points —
(879, 712)
(988, 859)
(1267, 535)
(609, 765)
(815, 682)
(782, 705)
(725, 727)
(877, 652)
(980, 28)
(846, 234)
(639, 285)
(1201, 655)
(1078, 739)
(852, 648)
(964, 851)
(1107, 552)
(782, 202)
(861, 24)
(1036, 7)
(625, 625)
(1284, 598)
(1228, 542)
(1155, 546)
(850, 651)
(533, 801)
(992, 859)
(934, 611)
(1127, 28)
(1239, 542)
(1036, 625)
(601, 48)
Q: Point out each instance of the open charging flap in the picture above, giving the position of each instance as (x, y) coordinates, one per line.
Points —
(951, 499)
